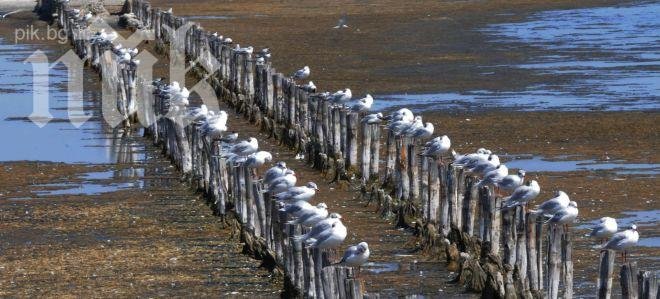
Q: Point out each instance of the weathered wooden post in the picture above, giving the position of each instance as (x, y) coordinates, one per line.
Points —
(567, 263)
(352, 124)
(434, 192)
(629, 280)
(554, 260)
(647, 285)
(605, 270)
(366, 151)
(375, 150)
(532, 262)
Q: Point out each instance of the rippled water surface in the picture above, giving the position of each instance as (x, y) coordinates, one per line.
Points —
(594, 59)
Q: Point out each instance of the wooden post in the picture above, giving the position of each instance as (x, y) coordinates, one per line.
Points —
(336, 133)
(509, 236)
(391, 158)
(413, 169)
(647, 285)
(521, 248)
(567, 262)
(629, 280)
(375, 150)
(470, 199)
(554, 260)
(424, 187)
(343, 133)
(366, 151)
(444, 200)
(352, 124)
(434, 192)
(606, 268)
(532, 263)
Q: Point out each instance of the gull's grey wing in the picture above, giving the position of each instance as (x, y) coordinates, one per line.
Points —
(616, 239)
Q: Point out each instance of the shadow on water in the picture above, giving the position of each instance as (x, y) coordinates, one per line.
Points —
(603, 59)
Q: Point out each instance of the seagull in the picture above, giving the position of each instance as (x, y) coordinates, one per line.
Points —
(229, 138)
(214, 127)
(329, 238)
(258, 159)
(470, 160)
(341, 96)
(227, 40)
(493, 176)
(355, 256)
(298, 193)
(311, 216)
(565, 215)
(621, 241)
(363, 104)
(522, 195)
(553, 205)
(416, 124)
(195, 114)
(512, 181)
(605, 228)
(371, 119)
(320, 227)
(484, 166)
(341, 23)
(247, 50)
(299, 208)
(245, 147)
(401, 114)
(309, 87)
(283, 183)
(302, 73)
(399, 126)
(274, 172)
(423, 132)
(437, 147)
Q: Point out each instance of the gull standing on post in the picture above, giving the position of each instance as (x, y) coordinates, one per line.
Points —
(274, 172)
(245, 147)
(341, 96)
(312, 216)
(621, 241)
(355, 256)
(422, 132)
(371, 119)
(363, 104)
(493, 176)
(605, 228)
(258, 159)
(484, 166)
(282, 183)
(401, 114)
(329, 238)
(512, 181)
(522, 195)
(552, 206)
(437, 147)
(298, 193)
(320, 227)
(302, 73)
(565, 215)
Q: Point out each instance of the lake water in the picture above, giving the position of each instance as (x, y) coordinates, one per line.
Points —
(605, 59)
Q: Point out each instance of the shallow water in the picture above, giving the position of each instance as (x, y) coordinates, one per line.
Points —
(57, 141)
(545, 164)
(602, 59)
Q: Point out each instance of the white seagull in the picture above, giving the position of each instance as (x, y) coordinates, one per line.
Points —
(341, 23)
(605, 228)
(565, 215)
(522, 195)
(312, 216)
(330, 238)
(341, 96)
(371, 119)
(258, 159)
(363, 104)
(274, 172)
(401, 114)
(512, 181)
(621, 241)
(309, 87)
(302, 73)
(553, 205)
(283, 183)
(245, 147)
(437, 147)
(320, 227)
(298, 193)
(423, 132)
(494, 176)
(484, 166)
(355, 256)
